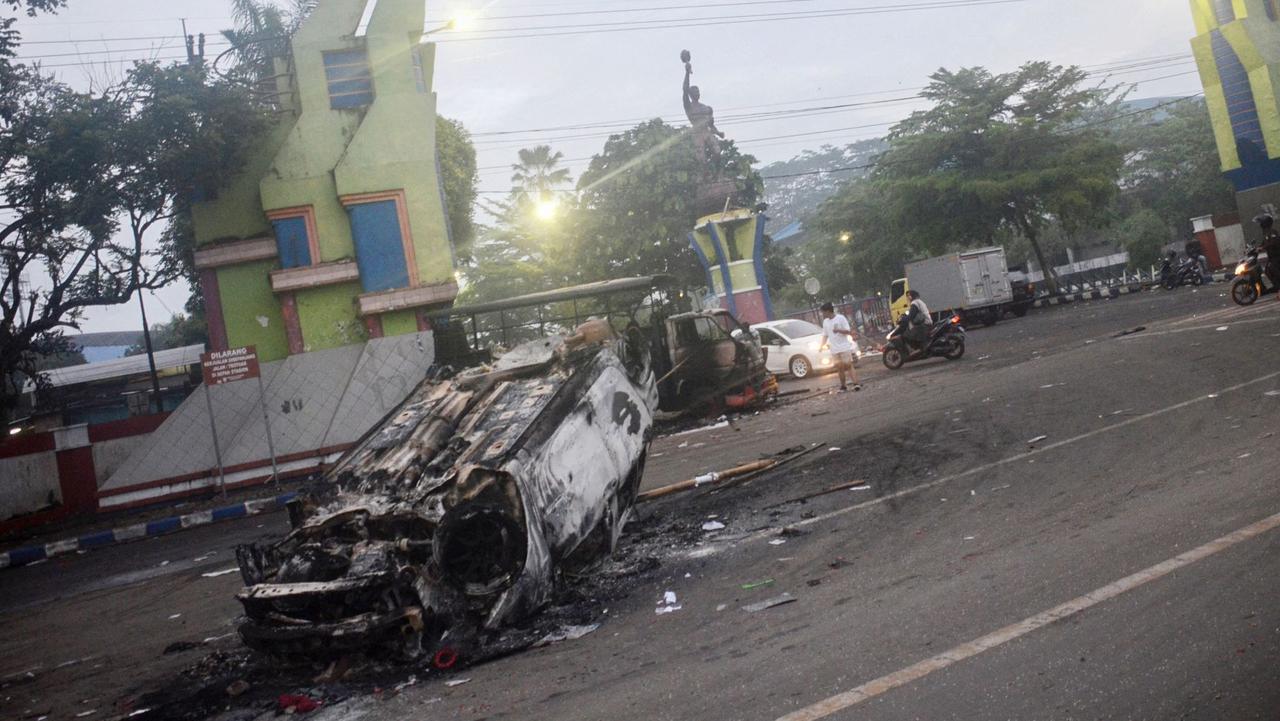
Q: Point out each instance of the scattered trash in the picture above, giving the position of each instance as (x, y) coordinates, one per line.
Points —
(296, 703)
(1123, 333)
(457, 682)
(706, 478)
(223, 572)
(770, 603)
(712, 427)
(757, 584)
(1001, 488)
(568, 633)
(1037, 439)
(683, 445)
(969, 538)
(984, 357)
(176, 615)
(973, 492)
(1051, 385)
(722, 607)
(792, 532)
(863, 487)
(1244, 455)
(90, 712)
(712, 526)
(165, 563)
(1213, 395)
(777, 542)
(1222, 328)
(237, 687)
(411, 681)
(833, 449)
(1273, 394)
(668, 604)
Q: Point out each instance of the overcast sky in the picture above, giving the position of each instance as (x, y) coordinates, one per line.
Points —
(615, 75)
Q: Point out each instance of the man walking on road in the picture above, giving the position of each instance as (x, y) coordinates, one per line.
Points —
(838, 336)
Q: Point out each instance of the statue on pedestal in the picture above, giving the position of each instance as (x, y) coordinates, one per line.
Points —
(701, 118)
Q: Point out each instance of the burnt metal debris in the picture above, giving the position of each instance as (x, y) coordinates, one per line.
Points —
(459, 513)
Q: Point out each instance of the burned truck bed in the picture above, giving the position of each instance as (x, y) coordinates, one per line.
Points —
(459, 512)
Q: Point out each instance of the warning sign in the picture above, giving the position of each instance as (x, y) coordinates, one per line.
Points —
(229, 366)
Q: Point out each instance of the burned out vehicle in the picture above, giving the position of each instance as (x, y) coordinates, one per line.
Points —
(458, 513)
(705, 359)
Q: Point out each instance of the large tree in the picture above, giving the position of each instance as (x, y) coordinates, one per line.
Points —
(88, 183)
(639, 203)
(1000, 153)
(458, 177)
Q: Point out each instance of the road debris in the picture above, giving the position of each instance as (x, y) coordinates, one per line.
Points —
(237, 687)
(770, 603)
(668, 604)
(1222, 328)
(1124, 333)
(713, 526)
(296, 703)
(1036, 440)
(757, 584)
(568, 633)
(223, 572)
(459, 512)
(777, 542)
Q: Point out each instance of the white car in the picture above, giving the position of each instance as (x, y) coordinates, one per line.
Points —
(795, 348)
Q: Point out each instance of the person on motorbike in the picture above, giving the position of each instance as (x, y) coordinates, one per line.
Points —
(918, 321)
(1271, 244)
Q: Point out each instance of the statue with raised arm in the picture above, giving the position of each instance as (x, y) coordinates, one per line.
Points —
(702, 119)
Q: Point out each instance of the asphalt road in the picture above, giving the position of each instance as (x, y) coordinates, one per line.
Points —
(1122, 565)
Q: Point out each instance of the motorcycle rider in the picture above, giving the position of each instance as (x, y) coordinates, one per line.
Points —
(918, 321)
(1271, 244)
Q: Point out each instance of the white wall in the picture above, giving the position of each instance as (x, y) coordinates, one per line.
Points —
(28, 483)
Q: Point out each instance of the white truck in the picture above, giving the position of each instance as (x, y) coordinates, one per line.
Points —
(974, 283)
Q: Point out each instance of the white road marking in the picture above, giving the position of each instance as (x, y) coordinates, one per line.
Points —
(964, 651)
(1211, 326)
(771, 533)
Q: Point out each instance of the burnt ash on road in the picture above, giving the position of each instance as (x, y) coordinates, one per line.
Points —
(1061, 456)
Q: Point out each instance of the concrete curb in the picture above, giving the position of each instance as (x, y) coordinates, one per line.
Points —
(1066, 299)
(159, 527)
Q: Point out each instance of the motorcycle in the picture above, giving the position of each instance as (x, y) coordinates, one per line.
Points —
(946, 340)
(1188, 273)
(1251, 281)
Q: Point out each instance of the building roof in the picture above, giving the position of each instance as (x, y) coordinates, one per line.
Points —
(106, 339)
(122, 367)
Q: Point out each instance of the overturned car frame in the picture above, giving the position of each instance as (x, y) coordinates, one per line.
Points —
(457, 514)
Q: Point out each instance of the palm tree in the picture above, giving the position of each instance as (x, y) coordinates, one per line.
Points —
(536, 175)
(262, 33)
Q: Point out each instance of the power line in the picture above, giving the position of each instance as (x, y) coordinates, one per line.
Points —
(600, 28)
(868, 166)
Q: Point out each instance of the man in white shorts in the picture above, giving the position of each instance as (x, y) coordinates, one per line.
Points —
(838, 336)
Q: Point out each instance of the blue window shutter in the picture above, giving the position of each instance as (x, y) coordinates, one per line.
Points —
(349, 78)
(292, 242)
(379, 245)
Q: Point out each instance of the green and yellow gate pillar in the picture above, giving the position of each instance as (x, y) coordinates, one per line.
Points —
(730, 246)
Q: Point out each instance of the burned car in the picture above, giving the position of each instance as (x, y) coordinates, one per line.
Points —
(458, 512)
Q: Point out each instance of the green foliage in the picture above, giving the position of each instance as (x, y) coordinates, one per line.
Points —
(632, 214)
(261, 34)
(458, 177)
(1000, 152)
(638, 203)
(1173, 167)
(1144, 234)
(179, 331)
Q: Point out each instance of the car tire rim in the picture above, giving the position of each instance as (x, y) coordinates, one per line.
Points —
(799, 367)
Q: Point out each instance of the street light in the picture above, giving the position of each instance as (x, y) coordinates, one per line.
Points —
(845, 237)
(547, 207)
(459, 22)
